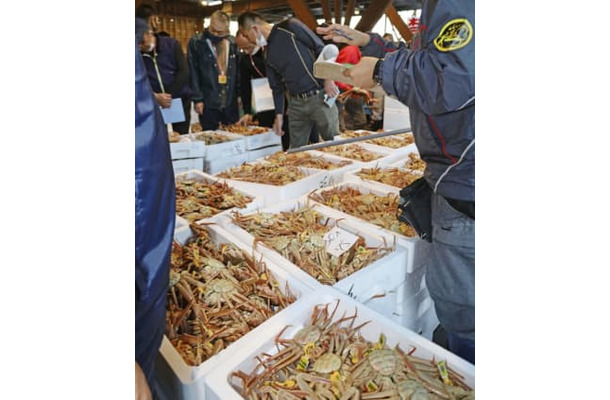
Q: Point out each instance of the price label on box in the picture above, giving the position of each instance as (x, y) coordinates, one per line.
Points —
(338, 241)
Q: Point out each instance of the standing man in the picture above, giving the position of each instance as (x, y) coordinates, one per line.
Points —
(212, 59)
(167, 72)
(292, 49)
(436, 81)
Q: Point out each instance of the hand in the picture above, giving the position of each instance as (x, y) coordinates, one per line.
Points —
(163, 99)
(358, 38)
(199, 107)
(245, 120)
(142, 389)
(362, 73)
(330, 88)
(277, 125)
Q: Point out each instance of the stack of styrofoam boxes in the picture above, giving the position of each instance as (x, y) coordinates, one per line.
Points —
(219, 218)
(366, 285)
(409, 303)
(271, 194)
(222, 156)
(262, 144)
(221, 385)
(187, 154)
(182, 381)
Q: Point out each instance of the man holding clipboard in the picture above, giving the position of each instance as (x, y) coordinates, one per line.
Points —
(168, 75)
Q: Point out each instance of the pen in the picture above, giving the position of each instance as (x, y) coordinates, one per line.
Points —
(341, 33)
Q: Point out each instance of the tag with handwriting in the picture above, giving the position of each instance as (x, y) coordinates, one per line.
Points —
(338, 241)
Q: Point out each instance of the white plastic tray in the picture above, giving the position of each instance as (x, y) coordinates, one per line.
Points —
(218, 218)
(218, 382)
(418, 251)
(383, 274)
(189, 378)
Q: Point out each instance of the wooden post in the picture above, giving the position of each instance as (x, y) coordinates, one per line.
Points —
(302, 12)
(372, 15)
(338, 6)
(403, 29)
(349, 11)
(326, 11)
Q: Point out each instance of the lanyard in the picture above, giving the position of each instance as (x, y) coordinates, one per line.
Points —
(154, 59)
(213, 48)
(254, 65)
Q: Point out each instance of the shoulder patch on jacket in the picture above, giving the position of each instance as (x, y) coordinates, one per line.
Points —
(456, 34)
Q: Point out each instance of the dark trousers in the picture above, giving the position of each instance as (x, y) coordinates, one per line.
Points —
(183, 127)
(313, 136)
(210, 118)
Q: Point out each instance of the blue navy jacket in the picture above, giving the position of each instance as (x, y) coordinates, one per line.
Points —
(154, 221)
(436, 81)
(204, 73)
(292, 49)
(172, 67)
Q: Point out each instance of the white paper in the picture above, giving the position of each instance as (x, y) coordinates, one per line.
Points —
(395, 115)
(175, 113)
(338, 241)
(262, 95)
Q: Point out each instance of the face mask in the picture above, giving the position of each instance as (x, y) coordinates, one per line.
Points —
(213, 38)
(255, 50)
(261, 41)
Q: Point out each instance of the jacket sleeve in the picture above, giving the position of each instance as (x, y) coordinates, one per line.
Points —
(277, 88)
(433, 81)
(193, 64)
(182, 76)
(377, 47)
(306, 36)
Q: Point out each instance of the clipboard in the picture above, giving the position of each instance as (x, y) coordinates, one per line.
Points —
(175, 113)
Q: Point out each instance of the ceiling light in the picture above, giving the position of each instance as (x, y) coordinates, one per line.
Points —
(356, 12)
(210, 3)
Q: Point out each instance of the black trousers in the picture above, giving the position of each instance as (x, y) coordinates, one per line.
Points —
(210, 118)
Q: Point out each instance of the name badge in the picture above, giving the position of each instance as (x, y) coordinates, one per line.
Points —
(222, 79)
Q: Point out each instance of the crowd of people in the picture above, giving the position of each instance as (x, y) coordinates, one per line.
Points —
(434, 78)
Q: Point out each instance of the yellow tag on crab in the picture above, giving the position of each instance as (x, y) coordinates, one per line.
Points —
(336, 377)
(371, 386)
(303, 363)
(380, 342)
(289, 383)
(442, 369)
(264, 276)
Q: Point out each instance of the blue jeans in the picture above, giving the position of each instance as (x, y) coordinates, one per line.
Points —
(450, 275)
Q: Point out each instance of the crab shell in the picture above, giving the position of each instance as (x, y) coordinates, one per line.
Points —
(383, 361)
(327, 363)
(308, 334)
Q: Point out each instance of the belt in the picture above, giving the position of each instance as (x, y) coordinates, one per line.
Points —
(304, 95)
(465, 207)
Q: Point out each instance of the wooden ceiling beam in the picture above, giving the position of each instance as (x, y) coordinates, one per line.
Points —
(326, 11)
(302, 12)
(239, 7)
(338, 11)
(349, 11)
(398, 23)
(372, 14)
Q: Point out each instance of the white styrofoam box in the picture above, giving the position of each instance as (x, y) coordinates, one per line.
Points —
(190, 379)
(363, 283)
(187, 149)
(429, 322)
(333, 176)
(408, 312)
(257, 155)
(257, 141)
(235, 146)
(218, 218)
(219, 383)
(382, 151)
(413, 283)
(217, 165)
(181, 166)
(364, 187)
(395, 115)
(353, 176)
(274, 194)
